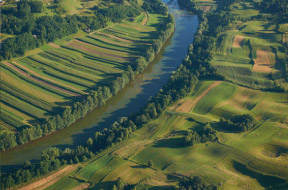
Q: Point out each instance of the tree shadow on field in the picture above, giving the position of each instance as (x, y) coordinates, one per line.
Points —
(170, 143)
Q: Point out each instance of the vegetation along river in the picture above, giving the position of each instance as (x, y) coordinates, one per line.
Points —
(128, 100)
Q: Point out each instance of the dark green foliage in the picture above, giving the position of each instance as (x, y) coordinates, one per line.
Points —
(206, 135)
(195, 183)
(117, 13)
(279, 9)
(155, 6)
(239, 123)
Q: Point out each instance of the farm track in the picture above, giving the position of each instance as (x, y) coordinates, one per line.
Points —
(188, 105)
(39, 80)
(50, 180)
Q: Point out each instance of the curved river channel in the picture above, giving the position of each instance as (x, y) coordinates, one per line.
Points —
(128, 100)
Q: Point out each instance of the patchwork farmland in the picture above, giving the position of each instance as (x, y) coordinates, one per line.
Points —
(37, 85)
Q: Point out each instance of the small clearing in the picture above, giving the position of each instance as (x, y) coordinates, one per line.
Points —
(262, 64)
(188, 105)
(50, 180)
(238, 41)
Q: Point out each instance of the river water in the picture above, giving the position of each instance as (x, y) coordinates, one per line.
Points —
(130, 99)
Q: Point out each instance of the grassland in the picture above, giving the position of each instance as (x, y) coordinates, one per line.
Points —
(47, 79)
(252, 160)
(255, 60)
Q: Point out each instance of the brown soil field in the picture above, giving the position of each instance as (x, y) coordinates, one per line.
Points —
(188, 105)
(50, 180)
(46, 78)
(238, 41)
(53, 45)
(96, 52)
(27, 88)
(39, 80)
(145, 20)
(82, 186)
(262, 63)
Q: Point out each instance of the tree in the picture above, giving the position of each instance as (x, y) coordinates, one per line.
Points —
(150, 164)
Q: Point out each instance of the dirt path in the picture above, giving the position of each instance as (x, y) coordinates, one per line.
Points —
(97, 52)
(188, 105)
(39, 80)
(46, 78)
(262, 63)
(50, 180)
(144, 22)
(238, 41)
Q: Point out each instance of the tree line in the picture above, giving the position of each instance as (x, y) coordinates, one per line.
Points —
(180, 84)
(207, 134)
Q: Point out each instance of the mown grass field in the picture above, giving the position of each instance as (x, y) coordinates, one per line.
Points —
(37, 85)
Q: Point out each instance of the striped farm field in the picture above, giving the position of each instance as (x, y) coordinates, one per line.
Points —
(39, 84)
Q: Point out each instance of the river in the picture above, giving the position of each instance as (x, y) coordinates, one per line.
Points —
(130, 99)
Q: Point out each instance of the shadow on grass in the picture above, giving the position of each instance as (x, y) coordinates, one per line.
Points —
(170, 143)
(266, 181)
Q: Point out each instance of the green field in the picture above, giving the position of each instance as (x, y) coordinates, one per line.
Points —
(250, 160)
(37, 85)
(239, 63)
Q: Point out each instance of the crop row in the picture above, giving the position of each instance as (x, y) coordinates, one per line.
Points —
(9, 119)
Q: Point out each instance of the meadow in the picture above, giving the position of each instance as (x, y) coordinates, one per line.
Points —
(49, 78)
(256, 159)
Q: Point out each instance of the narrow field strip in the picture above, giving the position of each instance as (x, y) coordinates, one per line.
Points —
(188, 105)
(122, 39)
(109, 41)
(262, 63)
(23, 106)
(30, 88)
(39, 80)
(109, 46)
(25, 118)
(50, 180)
(122, 33)
(238, 41)
(46, 78)
(82, 47)
(122, 54)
